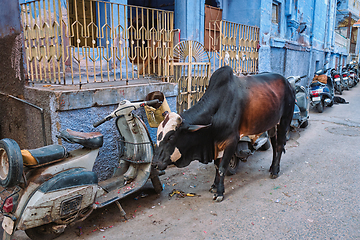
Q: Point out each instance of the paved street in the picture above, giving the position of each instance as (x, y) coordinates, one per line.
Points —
(315, 196)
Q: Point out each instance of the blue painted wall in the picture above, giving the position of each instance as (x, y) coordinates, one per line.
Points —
(244, 12)
(81, 120)
(189, 18)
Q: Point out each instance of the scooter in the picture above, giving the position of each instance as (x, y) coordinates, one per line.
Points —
(48, 189)
(337, 80)
(246, 147)
(345, 77)
(302, 103)
(321, 92)
(352, 74)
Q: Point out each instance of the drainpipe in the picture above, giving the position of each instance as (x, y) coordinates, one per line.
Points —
(311, 44)
(34, 106)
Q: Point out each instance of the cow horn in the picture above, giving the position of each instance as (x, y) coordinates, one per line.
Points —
(194, 128)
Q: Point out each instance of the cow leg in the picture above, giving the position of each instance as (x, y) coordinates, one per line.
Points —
(273, 140)
(223, 166)
(278, 145)
(213, 188)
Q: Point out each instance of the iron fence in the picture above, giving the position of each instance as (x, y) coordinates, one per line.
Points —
(84, 41)
(235, 45)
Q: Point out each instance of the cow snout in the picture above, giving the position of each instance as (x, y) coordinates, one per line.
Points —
(159, 161)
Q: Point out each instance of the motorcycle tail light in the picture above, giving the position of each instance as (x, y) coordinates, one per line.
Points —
(344, 75)
(315, 93)
(336, 76)
(8, 205)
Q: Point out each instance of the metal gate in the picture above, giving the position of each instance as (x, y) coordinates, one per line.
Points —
(191, 71)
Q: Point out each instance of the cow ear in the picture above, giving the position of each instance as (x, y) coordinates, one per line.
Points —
(179, 120)
(194, 128)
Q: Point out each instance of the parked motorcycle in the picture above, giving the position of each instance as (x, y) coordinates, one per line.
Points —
(302, 103)
(345, 77)
(48, 188)
(246, 147)
(337, 80)
(352, 74)
(321, 91)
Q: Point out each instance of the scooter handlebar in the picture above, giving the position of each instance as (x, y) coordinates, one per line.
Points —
(117, 111)
(151, 102)
(102, 121)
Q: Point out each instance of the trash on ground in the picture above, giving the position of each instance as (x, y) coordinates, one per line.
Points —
(182, 194)
(142, 195)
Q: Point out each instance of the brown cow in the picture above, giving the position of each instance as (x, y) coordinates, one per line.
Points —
(231, 107)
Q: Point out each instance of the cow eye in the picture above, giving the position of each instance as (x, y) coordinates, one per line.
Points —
(171, 137)
(160, 136)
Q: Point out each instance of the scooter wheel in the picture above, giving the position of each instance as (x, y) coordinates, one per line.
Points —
(266, 146)
(11, 163)
(304, 124)
(43, 232)
(320, 107)
(233, 165)
(340, 90)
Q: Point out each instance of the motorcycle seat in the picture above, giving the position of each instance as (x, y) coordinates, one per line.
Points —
(90, 140)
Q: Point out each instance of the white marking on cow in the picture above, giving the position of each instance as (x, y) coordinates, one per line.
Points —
(170, 125)
(220, 154)
(176, 155)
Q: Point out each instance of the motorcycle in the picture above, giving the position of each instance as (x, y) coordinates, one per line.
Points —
(337, 80)
(302, 104)
(321, 91)
(345, 77)
(48, 189)
(352, 74)
(246, 147)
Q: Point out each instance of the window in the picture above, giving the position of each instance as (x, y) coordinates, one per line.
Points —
(275, 13)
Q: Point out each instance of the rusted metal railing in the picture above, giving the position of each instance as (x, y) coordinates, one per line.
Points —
(235, 45)
(84, 41)
(191, 68)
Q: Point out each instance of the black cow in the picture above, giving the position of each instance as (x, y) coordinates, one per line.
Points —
(231, 107)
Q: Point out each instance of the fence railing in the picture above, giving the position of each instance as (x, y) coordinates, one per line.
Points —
(235, 45)
(84, 41)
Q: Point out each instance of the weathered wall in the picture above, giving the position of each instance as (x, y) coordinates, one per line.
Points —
(12, 124)
(189, 17)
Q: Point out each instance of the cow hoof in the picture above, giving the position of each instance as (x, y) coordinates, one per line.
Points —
(273, 176)
(218, 198)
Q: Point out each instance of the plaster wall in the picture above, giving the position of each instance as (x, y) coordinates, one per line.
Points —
(13, 112)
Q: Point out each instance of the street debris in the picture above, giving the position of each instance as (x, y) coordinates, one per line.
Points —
(182, 194)
(212, 213)
(142, 195)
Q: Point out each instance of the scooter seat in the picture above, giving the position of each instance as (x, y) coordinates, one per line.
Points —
(43, 155)
(88, 140)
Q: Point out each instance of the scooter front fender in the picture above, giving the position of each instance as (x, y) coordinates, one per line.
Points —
(59, 199)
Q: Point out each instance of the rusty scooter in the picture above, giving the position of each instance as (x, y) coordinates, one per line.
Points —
(47, 189)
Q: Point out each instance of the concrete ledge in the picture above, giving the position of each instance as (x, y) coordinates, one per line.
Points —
(71, 98)
(282, 43)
